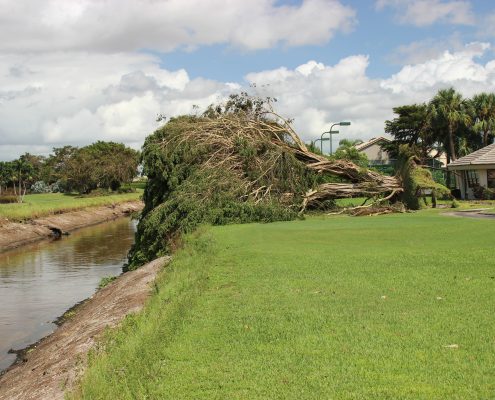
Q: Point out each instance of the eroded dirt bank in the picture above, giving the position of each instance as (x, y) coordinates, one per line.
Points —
(14, 234)
(56, 363)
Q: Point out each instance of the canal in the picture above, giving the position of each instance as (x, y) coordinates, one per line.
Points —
(39, 282)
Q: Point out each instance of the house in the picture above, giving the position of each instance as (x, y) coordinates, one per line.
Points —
(377, 156)
(474, 171)
(372, 149)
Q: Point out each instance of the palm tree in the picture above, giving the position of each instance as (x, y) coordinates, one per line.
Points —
(450, 110)
(483, 109)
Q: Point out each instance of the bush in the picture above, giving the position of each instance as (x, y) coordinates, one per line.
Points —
(57, 187)
(487, 194)
(97, 193)
(7, 199)
(105, 281)
(40, 187)
(126, 190)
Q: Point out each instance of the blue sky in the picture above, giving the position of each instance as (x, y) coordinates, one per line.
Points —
(377, 33)
(81, 70)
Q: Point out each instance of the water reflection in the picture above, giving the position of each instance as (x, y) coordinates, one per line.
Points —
(39, 282)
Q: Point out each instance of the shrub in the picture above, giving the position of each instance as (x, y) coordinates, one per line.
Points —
(487, 194)
(6, 199)
(40, 187)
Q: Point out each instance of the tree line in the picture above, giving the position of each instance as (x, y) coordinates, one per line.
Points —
(101, 165)
(448, 123)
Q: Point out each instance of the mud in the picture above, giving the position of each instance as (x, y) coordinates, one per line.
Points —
(53, 366)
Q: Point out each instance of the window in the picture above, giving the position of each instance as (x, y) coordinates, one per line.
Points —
(490, 175)
(472, 178)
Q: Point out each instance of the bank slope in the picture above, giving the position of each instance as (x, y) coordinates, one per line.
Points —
(388, 307)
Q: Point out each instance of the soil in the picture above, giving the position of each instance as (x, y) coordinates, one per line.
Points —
(15, 234)
(53, 366)
(478, 213)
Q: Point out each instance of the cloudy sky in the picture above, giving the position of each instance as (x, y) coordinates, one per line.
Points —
(75, 71)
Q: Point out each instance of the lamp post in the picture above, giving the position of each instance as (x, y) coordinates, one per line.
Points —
(330, 132)
(321, 140)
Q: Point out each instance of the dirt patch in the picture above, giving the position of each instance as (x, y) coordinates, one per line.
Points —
(15, 234)
(479, 214)
(55, 364)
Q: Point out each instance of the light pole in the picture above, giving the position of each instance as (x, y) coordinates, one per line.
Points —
(330, 132)
(321, 139)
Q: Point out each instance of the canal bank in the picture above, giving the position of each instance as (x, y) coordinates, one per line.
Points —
(55, 364)
(15, 234)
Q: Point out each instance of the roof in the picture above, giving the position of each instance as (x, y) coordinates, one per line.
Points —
(484, 156)
(371, 142)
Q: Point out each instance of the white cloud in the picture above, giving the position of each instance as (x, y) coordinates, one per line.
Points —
(128, 25)
(428, 12)
(423, 50)
(458, 69)
(319, 96)
(49, 100)
(77, 98)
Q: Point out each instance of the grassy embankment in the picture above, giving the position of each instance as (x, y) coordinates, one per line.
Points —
(389, 307)
(40, 205)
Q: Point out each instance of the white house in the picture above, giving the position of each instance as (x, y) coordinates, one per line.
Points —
(377, 156)
(475, 170)
(372, 149)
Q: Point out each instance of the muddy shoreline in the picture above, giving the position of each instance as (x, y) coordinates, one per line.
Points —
(52, 367)
(16, 234)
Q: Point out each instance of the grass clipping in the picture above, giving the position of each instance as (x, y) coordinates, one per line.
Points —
(235, 167)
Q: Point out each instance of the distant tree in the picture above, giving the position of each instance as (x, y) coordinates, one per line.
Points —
(411, 127)
(22, 177)
(105, 165)
(451, 111)
(347, 151)
(6, 174)
(483, 116)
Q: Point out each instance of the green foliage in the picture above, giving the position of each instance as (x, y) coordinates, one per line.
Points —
(483, 114)
(384, 169)
(229, 176)
(347, 151)
(448, 124)
(415, 180)
(105, 281)
(7, 199)
(102, 165)
(105, 165)
(483, 193)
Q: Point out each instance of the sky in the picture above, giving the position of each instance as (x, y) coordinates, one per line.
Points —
(77, 71)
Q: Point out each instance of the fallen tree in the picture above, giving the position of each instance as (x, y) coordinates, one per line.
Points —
(240, 162)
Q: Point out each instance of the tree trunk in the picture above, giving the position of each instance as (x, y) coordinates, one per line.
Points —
(451, 142)
(448, 175)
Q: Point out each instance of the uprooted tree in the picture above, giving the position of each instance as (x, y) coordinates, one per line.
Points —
(242, 162)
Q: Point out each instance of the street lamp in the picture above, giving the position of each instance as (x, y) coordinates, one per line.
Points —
(330, 132)
(321, 140)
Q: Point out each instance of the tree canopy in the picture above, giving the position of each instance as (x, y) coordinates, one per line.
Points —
(448, 124)
(101, 165)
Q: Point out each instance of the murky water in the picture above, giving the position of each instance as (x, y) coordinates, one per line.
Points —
(38, 283)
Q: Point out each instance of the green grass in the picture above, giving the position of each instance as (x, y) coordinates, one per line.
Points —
(39, 205)
(390, 307)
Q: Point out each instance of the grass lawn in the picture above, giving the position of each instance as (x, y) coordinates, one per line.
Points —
(391, 307)
(39, 205)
